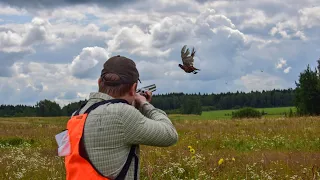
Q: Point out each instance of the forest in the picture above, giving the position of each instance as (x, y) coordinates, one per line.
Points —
(170, 102)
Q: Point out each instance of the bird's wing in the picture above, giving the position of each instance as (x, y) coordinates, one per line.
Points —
(188, 61)
(184, 53)
(193, 52)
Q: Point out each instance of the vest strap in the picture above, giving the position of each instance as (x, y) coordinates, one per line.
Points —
(132, 153)
(95, 105)
(126, 166)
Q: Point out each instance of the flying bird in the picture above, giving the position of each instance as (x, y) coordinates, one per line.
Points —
(187, 60)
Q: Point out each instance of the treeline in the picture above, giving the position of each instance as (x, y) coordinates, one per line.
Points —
(256, 99)
(44, 108)
(171, 103)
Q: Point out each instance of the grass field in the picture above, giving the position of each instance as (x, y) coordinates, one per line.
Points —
(267, 148)
(226, 114)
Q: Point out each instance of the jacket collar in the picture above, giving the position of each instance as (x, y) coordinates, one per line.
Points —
(99, 95)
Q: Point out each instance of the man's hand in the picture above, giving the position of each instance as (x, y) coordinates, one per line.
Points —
(140, 99)
(148, 96)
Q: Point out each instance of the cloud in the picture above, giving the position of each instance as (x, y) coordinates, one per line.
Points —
(262, 81)
(89, 62)
(287, 70)
(56, 52)
(7, 10)
(35, 33)
(170, 30)
(134, 41)
(7, 60)
(310, 17)
(37, 81)
(39, 4)
(288, 30)
(282, 62)
(10, 41)
(38, 32)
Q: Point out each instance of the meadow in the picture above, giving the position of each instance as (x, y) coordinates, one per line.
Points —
(226, 114)
(209, 147)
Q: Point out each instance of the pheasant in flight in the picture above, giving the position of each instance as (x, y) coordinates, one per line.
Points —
(187, 61)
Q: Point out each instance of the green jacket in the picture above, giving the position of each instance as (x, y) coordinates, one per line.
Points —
(110, 130)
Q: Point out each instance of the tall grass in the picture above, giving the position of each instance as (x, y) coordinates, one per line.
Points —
(267, 148)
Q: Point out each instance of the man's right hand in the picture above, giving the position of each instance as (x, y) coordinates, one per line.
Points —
(140, 99)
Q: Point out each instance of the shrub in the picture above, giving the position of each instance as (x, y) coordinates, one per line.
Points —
(208, 108)
(291, 114)
(247, 112)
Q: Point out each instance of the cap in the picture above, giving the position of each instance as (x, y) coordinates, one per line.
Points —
(124, 67)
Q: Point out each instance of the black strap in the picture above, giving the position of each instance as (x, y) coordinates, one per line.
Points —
(131, 155)
(123, 172)
(78, 111)
(95, 105)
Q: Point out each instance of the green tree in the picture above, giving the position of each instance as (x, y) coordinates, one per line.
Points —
(307, 95)
(191, 105)
(318, 66)
(47, 108)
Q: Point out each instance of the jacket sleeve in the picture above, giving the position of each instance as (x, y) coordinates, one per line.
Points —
(148, 126)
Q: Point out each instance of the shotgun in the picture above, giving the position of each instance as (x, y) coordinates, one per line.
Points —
(143, 90)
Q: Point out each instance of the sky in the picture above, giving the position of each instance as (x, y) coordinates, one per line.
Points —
(56, 49)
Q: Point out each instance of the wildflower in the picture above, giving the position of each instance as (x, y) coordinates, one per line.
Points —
(189, 147)
(220, 161)
(180, 170)
(233, 159)
(192, 151)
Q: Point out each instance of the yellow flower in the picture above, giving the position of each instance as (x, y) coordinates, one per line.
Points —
(189, 147)
(192, 151)
(220, 162)
(233, 159)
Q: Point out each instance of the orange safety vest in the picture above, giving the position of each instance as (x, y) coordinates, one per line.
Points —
(77, 163)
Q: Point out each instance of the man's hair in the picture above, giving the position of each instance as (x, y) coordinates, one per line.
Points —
(115, 91)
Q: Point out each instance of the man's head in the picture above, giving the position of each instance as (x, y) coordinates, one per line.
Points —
(119, 78)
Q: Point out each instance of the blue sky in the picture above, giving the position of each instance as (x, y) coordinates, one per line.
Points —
(57, 52)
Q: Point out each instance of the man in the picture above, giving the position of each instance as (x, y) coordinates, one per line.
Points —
(110, 130)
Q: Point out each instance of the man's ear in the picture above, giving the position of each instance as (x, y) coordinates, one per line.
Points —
(133, 89)
(99, 80)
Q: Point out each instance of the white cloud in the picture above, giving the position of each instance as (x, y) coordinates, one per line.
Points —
(287, 70)
(282, 62)
(10, 41)
(255, 18)
(7, 10)
(288, 30)
(262, 81)
(171, 30)
(64, 14)
(24, 38)
(134, 41)
(89, 62)
(310, 17)
(38, 32)
(37, 81)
